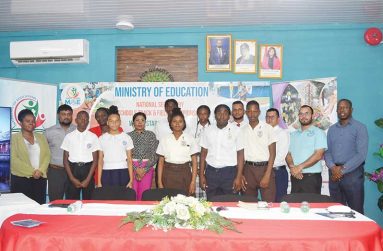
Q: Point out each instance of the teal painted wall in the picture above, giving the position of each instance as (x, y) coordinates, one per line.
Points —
(309, 52)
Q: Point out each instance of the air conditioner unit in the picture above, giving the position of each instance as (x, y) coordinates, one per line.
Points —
(73, 51)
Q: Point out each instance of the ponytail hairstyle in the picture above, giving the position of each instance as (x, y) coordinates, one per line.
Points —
(113, 110)
(208, 111)
(177, 112)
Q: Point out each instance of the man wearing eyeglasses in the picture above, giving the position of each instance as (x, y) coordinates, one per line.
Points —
(307, 147)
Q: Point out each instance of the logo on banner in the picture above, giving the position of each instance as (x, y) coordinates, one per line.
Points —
(31, 103)
(73, 95)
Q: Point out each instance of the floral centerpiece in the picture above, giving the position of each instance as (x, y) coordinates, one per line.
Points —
(377, 175)
(180, 212)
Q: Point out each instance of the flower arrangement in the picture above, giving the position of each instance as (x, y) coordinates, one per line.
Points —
(180, 212)
(377, 175)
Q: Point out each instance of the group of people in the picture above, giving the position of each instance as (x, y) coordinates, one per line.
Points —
(233, 155)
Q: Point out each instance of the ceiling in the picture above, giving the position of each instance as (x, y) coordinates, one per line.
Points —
(24, 15)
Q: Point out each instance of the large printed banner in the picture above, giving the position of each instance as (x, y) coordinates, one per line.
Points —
(320, 94)
(41, 99)
(150, 98)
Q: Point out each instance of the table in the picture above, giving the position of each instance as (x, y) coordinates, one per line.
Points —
(12, 203)
(91, 232)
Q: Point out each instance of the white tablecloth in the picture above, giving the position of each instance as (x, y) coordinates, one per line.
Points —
(13, 203)
(105, 209)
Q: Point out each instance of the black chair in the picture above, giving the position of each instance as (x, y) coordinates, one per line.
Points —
(113, 193)
(233, 198)
(160, 193)
(309, 197)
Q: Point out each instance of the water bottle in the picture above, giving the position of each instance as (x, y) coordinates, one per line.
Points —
(305, 207)
(285, 208)
(74, 207)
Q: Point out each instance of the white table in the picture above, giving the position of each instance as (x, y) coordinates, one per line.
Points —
(13, 203)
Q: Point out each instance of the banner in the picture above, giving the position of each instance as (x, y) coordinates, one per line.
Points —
(320, 94)
(150, 98)
(5, 148)
(41, 99)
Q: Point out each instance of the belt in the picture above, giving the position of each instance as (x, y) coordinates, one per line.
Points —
(310, 174)
(56, 166)
(261, 163)
(276, 168)
(80, 163)
(338, 164)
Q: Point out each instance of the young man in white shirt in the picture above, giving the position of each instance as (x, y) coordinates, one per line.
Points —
(221, 161)
(283, 141)
(80, 158)
(259, 145)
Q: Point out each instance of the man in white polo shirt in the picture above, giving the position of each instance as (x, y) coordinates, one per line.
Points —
(283, 141)
(80, 158)
(259, 144)
(221, 156)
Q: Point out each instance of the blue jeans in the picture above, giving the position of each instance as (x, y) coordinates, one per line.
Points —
(219, 180)
(281, 183)
(349, 190)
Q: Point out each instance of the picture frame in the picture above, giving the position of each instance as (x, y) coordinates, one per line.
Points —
(245, 56)
(270, 68)
(218, 53)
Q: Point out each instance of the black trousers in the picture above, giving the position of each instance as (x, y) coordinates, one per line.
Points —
(80, 172)
(220, 180)
(57, 183)
(35, 189)
(311, 183)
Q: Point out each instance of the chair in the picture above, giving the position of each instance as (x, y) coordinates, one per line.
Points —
(309, 197)
(233, 198)
(160, 193)
(113, 193)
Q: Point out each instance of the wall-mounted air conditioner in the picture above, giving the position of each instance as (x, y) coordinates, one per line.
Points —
(71, 51)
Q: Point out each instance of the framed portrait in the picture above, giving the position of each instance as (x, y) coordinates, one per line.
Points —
(270, 61)
(218, 53)
(245, 56)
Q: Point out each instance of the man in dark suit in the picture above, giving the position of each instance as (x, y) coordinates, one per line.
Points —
(219, 54)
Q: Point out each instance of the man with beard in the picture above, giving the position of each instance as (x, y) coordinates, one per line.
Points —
(57, 176)
(307, 147)
(238, 113)
(347, 150)
(219, 54)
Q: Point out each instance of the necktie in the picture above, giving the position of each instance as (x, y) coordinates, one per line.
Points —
(238, 124)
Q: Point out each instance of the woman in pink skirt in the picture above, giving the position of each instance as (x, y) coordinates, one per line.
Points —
(144, 154)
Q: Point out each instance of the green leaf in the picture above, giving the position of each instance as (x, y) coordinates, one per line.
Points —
(380, 186)
(379, 122)
(139, 224)
(380, 203)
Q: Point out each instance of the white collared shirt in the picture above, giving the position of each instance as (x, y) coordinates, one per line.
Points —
(178, 151)
(242, 124)
(114, 148)
(80, 145)
(197, 130)
(257, 141)
(162, 128)
(33, 153)
(283, 141)
(222, 145)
